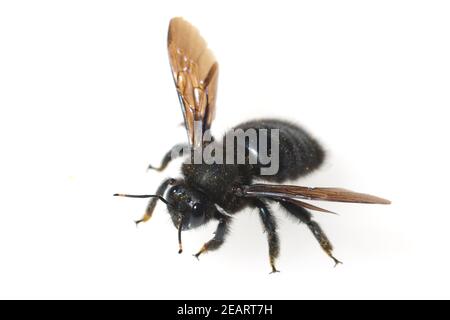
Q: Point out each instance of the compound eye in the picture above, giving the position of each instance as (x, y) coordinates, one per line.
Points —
(175, 190)
(197, 209)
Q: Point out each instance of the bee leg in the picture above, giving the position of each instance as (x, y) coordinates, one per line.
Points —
(323, 240)
(152, 203)
(270, 226)
(219, 236)
(305, 216)
(173, 153)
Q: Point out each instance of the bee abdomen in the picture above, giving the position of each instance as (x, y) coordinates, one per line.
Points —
(299, 153)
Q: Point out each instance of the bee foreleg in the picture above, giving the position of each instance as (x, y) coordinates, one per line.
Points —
(152, 203)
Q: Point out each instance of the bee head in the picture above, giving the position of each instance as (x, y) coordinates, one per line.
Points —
(188, 208)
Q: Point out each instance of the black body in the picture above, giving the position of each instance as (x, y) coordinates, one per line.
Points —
(208, 191)
(299, 155)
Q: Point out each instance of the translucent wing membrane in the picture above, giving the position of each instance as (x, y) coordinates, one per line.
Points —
(195, 72)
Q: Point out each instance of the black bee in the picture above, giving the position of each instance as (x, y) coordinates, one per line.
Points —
(216, 190)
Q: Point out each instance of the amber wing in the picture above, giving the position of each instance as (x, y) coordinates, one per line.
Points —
(299, 192)
(195, 72)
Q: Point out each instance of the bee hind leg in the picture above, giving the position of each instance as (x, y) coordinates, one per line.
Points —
(305, 216)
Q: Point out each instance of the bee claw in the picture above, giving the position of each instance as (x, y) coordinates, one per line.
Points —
(274, 271)
(336, 262)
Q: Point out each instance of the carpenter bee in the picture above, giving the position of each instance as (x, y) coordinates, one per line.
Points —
(216, 190)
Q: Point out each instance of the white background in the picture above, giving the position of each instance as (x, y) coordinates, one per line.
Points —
(87, 102)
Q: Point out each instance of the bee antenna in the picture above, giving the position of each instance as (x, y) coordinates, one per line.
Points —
(142, 196)
(180, 228)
